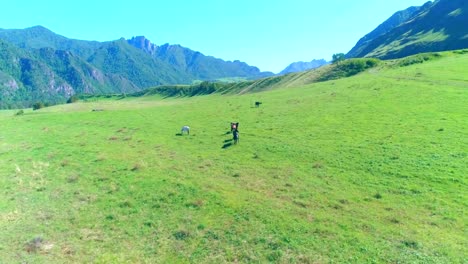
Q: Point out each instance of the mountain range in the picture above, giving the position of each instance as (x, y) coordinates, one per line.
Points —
(436, 26)
(38, 65)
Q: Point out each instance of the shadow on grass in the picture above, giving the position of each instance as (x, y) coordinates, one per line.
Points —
(228, 142)
(178, 134)
(227, 145)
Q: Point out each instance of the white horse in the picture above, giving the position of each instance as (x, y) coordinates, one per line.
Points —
(185, 129)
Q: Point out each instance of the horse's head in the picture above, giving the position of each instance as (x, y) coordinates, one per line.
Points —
(234, 126)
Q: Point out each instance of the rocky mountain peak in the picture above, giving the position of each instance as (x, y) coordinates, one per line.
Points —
(143, 43)
(303, 66)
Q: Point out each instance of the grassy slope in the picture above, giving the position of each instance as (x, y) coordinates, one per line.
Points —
(326, 72)
(366, 169)
(441, 27)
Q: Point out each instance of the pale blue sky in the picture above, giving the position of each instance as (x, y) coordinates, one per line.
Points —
(269, 34)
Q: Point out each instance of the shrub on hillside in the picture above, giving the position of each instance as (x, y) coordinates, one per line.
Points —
(338, 57)
(202, 88)
(349, 68)
(38, 105)
(420, 58)
(72, 99)
(461, 51)
(20, 112)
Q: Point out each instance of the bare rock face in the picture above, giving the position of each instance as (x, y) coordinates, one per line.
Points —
(12, 84)
(303, 66)
(8, 85)
(143, 43)
(65, 89)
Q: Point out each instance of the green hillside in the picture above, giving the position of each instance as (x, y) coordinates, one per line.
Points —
(38, 37)
(437, 26)
(21, 77)
(388, 25)
(329, 72)
(51, 76)
(205, 67)
(366, 169)
(122, 59)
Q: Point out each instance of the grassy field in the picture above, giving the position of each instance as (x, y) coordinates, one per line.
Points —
(367, 169)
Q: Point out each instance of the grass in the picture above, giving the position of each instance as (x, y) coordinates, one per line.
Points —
(367, 169)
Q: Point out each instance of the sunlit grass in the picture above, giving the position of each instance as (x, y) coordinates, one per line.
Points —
(365, 169)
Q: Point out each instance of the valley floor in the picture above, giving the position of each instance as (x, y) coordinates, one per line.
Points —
(368, 169)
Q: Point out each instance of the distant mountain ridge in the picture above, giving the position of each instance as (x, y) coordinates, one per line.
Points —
(303, 66)
(195, 63)
(40, 65)
(436, 26)
(40, 37)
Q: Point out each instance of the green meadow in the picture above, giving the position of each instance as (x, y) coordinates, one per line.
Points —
(367, 169)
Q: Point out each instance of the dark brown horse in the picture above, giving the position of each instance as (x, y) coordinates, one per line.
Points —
(235, 136)
(234, 126)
